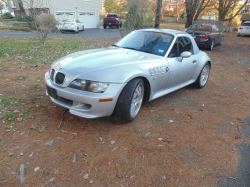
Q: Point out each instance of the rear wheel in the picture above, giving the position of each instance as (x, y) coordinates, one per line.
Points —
(104, 26)
(238, 35)
(203, 76)
(130, 100)
(210, 48)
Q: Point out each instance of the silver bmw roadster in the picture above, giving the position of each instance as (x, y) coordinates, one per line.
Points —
(144, 65)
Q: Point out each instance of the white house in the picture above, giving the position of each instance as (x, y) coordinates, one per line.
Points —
(86, 11)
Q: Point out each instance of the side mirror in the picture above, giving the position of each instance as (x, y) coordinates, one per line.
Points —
(184, 54)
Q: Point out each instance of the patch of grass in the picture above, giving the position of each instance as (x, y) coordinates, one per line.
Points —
(29, 50)
(34, 85)
(52, 149)
(1, 142)
(10, 101)
(8, 115)
(43, 129)
(174, 26)
(26, 112)
(24, 29)
(23, 76)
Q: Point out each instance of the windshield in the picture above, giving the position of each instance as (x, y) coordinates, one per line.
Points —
(245, 24)
(112, 16)
(200, 28)
(146, 41)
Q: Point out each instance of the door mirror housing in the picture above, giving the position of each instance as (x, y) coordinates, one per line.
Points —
(185, 54)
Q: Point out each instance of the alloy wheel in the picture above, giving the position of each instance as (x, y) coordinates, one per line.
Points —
(204, 75)
(137, 100)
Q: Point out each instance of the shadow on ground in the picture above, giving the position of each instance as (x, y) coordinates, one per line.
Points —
(242, 178)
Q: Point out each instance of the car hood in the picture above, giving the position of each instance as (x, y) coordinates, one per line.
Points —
(78, 64)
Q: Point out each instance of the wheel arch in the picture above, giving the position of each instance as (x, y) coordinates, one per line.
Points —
(147, 87)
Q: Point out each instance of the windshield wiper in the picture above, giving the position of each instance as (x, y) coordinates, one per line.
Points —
(131, 48)
(115, 45)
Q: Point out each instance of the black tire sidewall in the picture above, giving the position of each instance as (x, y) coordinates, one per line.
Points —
(123, 105)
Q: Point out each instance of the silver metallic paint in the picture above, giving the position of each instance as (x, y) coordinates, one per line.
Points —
(118, 66)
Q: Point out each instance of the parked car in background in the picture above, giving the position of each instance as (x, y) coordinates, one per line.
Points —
(70, 25)
(112, 20)
(206, 36)
(244, 29)
(143, 66)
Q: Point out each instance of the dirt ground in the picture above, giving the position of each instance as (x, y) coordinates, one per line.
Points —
(199, 147)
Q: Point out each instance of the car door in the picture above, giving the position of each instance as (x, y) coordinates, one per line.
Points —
(181, 72)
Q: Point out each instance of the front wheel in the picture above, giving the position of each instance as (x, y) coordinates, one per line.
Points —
(130, 100)
(203, 76)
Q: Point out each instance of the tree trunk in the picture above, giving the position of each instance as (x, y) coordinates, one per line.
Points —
(189, 20)
(158, 14)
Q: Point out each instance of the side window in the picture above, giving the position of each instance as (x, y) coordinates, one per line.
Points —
(174, 51)
(185, 44)
(181, 44)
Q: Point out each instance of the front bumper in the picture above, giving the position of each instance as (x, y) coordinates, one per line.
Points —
(85, 104)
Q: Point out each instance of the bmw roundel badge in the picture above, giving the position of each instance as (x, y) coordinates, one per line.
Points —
(167, 69)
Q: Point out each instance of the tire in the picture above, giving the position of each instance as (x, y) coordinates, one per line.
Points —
(130, 100)
(82, 28)
(104, 26)
(121, 25)
(238, 35)
(203, 76)
(221, 42)
(210, 48)
(77, 30)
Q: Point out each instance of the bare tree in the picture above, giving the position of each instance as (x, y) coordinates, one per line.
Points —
(191, 8)
(202, 6)
(158, 14)
(44, 22)
(226, 9)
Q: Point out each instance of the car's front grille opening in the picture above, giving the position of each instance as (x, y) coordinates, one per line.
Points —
(67, 101)
(52, 74)
(59, 78)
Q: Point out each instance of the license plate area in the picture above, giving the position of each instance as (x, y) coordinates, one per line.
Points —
(52, 92)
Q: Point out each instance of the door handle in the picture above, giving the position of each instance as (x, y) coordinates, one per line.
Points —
(194, 61)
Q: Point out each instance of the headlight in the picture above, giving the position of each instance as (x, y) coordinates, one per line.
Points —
(90, 86)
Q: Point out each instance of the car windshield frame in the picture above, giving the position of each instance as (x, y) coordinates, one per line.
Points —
(156, 43)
